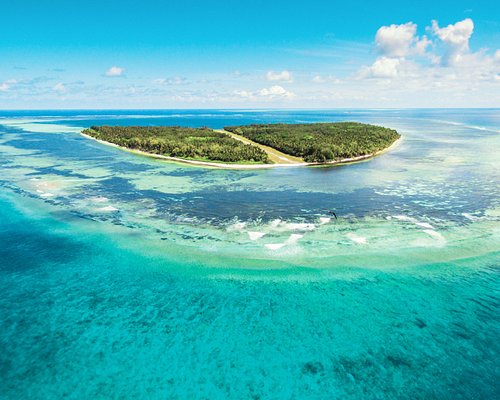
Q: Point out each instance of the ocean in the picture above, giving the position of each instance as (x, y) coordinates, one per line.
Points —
(123, 276)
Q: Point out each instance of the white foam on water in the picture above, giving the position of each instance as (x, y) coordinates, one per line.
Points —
(299, 226)
(280, 225)
(107, 209)
(477, 127)
(274, 223)
(470, 217)
(424, 225)
(412, 220)
(435, 235)
(294, 237)
(404, 218)
(356, 239)
(47, 194)
(274, 246)
(255, 235)
(482, 128)
(238, 226)
(99, 199)
(324, 220)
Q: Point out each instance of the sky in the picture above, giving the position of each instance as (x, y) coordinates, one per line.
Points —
(92, 54)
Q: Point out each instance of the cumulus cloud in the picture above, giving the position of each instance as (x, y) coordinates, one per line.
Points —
(455, 38)
(401, 50)
(115, 71)
(244, 93)
(421, 45)
(400, 40)
(384, 67)
(395, 44)
(283, 76)
(443, 72)
(395, 40)
(389, 68)
(276, 91)
(273, 92)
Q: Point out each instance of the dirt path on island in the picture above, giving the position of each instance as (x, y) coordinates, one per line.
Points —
(275, 156)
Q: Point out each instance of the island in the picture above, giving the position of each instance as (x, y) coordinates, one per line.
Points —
(253, 146)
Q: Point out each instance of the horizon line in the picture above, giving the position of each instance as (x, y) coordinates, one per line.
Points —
(252, 109)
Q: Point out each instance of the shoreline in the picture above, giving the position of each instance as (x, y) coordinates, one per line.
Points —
(245, 166)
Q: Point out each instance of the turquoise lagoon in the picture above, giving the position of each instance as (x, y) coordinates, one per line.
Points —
(127, 277)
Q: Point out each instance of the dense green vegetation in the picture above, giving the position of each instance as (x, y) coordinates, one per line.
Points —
(320, 142)
(174, 141)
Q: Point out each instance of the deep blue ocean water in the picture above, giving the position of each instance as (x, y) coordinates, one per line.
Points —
(127, 277)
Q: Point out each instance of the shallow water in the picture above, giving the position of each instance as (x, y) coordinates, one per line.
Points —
(128, 277)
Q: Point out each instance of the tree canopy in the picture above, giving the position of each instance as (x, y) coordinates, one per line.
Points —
(175, 141)
(317, 142)
(320, 142)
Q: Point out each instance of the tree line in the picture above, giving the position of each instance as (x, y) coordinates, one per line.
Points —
(175, 141)
(320, 142)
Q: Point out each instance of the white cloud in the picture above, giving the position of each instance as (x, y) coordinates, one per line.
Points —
(271, 93)
(244, 93)
(115, 71)
(400, 41)
(325, 79)
(283, 76)
(421, 45)
(177, 80)
(4, 86)
(412, 70)
(395, 40)
(402, 50)
(276, 91)
(406, 70)
(59, 87)
(383, 67)
(455, 37)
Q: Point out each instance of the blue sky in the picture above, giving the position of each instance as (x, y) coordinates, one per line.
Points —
(227, 54)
